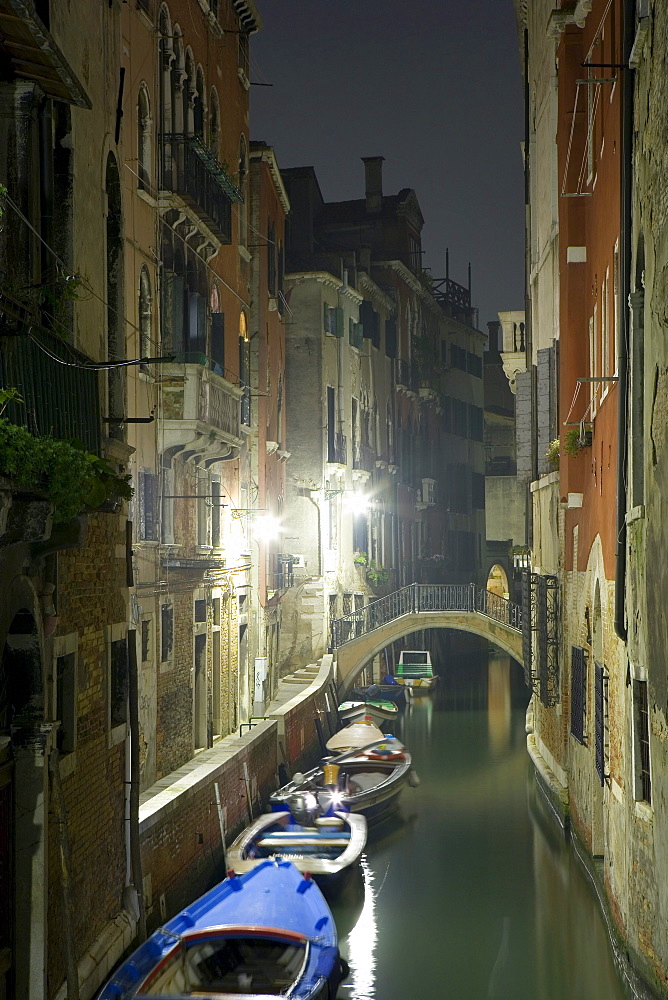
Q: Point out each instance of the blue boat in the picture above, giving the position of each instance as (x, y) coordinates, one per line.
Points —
(266, 933)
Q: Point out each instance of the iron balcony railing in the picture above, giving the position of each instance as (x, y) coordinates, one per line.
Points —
(418, 597)
(190, 170)
(57, 400)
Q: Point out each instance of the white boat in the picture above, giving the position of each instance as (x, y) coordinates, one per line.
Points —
(414, 670)
(325, 846)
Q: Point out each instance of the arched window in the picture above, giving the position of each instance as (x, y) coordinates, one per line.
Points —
(214, 123)
(144, 140)
(199, 105)
(145, 316)
(243, 207)
(189, 94)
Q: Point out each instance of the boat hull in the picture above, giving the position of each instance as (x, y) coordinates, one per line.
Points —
(273, 909)
(370, 786)
(325, 851)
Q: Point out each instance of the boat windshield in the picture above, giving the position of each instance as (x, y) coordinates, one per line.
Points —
(233, 965)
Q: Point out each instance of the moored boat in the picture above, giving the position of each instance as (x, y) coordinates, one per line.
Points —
(268, 932)
(325, 846)
(414, 670)
(381, 712)
(366, 780)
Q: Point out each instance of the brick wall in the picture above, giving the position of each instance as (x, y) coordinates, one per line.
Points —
(182, 853)
(90, 597)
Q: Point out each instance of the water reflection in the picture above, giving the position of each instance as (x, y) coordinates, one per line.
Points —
(469, 893)
(361, 944)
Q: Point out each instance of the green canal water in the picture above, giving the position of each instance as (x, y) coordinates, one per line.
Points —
(469, 892)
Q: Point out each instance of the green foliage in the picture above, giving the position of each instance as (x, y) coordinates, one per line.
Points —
(572, 443)
(73, 479)
(8, 396)
(376, 575)
(552, 453)
(360, 558)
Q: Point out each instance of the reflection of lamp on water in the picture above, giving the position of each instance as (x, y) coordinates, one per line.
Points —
(362, 942)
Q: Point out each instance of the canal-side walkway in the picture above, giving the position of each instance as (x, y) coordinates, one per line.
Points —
(188, 816)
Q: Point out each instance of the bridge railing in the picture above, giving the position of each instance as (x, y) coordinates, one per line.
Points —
(419, 597)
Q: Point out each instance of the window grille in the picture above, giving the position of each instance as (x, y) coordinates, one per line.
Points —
(643, 779)
(119, 682)
(578, 692)
(600, 717)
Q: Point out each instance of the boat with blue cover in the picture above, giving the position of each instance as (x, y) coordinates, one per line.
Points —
(266, 933)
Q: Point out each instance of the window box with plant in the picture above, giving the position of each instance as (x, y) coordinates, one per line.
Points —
(577, 438)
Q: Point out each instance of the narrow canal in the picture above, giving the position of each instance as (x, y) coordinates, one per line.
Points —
(470, 893)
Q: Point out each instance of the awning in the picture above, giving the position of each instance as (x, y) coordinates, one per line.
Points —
(32, 54)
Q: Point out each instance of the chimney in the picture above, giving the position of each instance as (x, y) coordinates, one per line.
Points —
(373, 183)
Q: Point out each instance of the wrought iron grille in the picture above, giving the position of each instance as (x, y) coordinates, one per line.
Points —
(192, 171)
(547, 614)
(57, 400)
(599, 720)
(642, 739)
(417, 597)
(529, 615)
(578, 692)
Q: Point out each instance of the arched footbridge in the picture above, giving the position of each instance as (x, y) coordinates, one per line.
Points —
(359, 636)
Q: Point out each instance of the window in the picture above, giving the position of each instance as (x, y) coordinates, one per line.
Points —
(145, 640)
(243, 205)
(215, 513)
(166, 632)
(144, 140)
(331, 424)
(200, 611)
(118, 682)
(578, 692)
(214, 123)
(600, 720)
(218, 342)
(370, 321)
(643, 783)
(145, 318)
(66, 701)
(391, 338)
(148, 506)
(333, 320)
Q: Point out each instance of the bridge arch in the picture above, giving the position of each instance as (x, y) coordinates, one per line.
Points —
(360, 636)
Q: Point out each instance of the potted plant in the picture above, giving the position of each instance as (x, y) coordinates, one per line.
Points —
(577, 438)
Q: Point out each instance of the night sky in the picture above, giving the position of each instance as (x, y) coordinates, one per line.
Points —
(434, 86)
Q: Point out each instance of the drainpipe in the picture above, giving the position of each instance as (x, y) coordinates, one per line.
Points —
(134, 877)
(622, 365)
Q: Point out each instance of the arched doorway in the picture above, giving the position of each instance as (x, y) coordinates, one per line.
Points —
(23, 808)
(497, 581)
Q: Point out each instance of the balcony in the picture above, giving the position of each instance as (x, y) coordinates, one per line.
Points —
(200, 410)
(57, 400)
(192, 172)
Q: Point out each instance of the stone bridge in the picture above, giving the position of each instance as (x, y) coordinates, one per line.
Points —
(359, 636)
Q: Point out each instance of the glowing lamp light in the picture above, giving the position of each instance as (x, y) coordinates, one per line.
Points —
(357, 503)
(267, 527)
